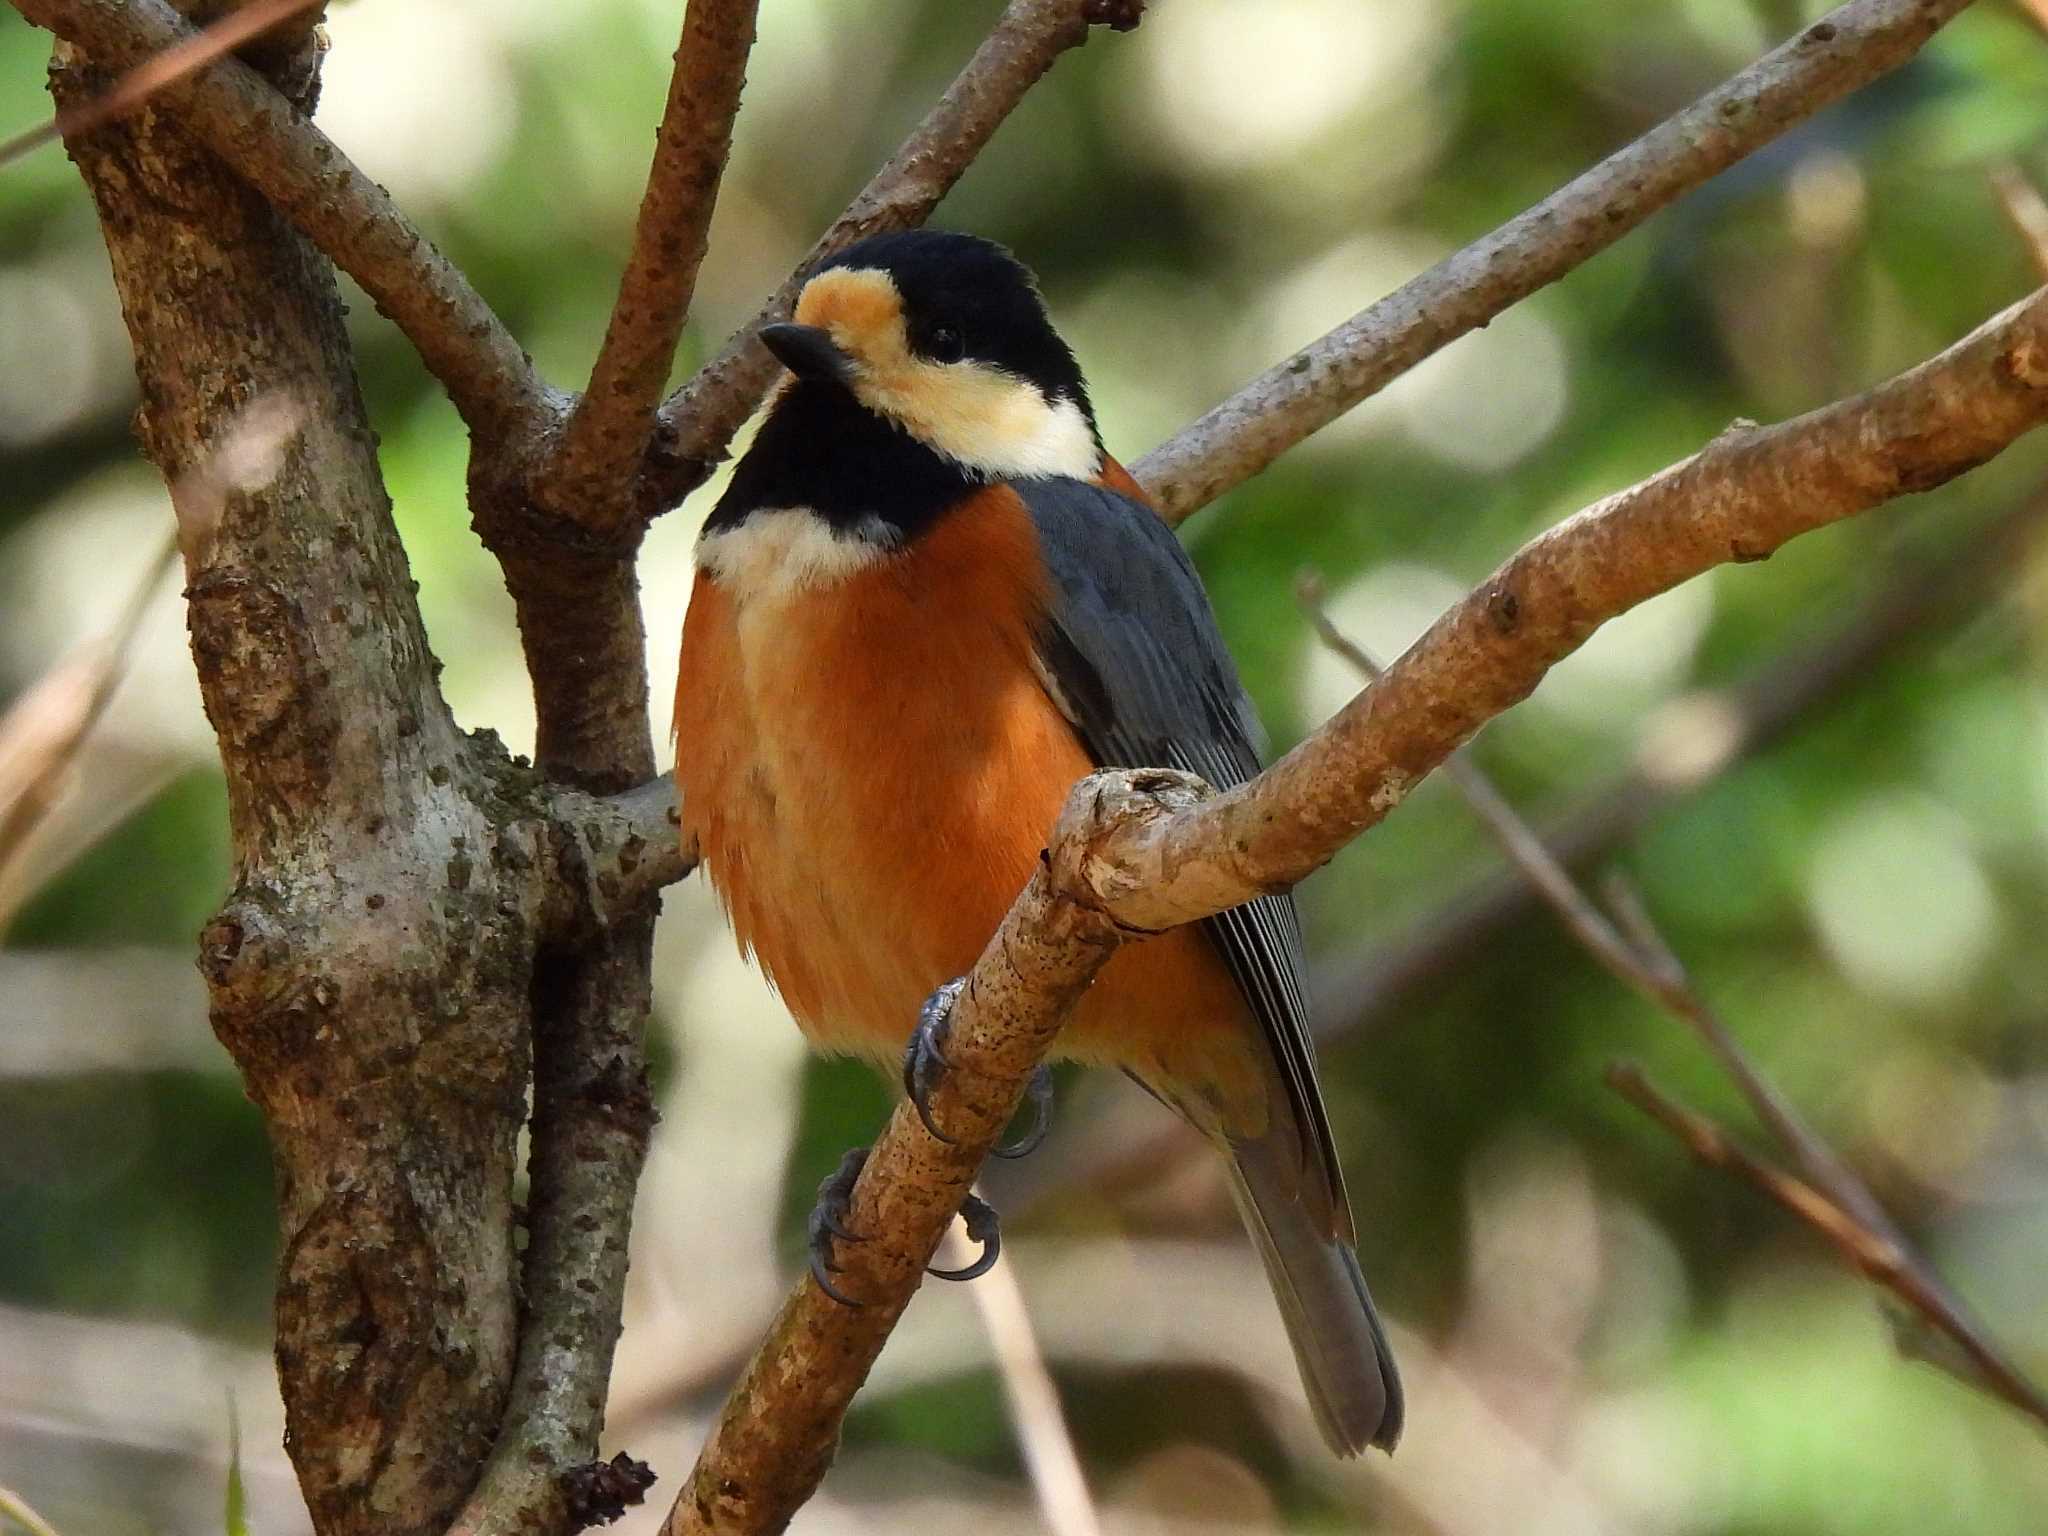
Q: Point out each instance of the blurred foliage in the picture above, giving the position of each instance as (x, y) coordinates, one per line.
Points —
(1865, 902)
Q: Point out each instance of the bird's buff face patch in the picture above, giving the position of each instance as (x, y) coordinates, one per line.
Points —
(978, 415)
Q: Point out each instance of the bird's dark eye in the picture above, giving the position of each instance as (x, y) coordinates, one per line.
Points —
(945, 345)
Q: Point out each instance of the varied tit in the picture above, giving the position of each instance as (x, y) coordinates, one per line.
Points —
(926, 606)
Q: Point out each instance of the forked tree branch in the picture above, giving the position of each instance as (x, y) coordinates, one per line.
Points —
(270, 144)
(1831, 1198)
(2027, 210)
(1850, 47)
(698, 421)
(1139, 852)
(596, 466)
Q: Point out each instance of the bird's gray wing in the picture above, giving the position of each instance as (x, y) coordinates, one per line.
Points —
(1132, 656)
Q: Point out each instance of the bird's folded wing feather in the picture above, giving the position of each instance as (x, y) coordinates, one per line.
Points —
(1132, 656)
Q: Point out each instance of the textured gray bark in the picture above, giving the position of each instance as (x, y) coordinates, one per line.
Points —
(410, 908)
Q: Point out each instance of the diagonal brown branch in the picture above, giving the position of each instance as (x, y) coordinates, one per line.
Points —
(776, 1437)
(276, 149)
(1749, 491)
(1140, 853)
(1850, 47)
(2026, 208)
(698, 421)
(1377, 981)
(597, 464)
(1832, 1198)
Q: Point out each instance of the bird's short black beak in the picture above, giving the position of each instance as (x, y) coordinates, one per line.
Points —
(809, 352)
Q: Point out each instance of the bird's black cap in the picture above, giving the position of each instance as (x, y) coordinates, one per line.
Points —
(964, 296)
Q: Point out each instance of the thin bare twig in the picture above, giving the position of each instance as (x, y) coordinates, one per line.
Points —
(1672, 988)
(1876, 1256)
(2026, 207)
(1851, 46)
(16, 1508)
(1639, 957)
(152, 75)
(698, 421)
(1034, 1400)
(42, 735)
(596, 466)
(242, 118)
(1842, 1207)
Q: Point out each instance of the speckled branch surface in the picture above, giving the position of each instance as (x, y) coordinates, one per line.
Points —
(1136, 853)
(1850, 47)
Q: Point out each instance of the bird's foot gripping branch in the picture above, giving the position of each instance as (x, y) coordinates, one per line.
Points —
(773, 1441)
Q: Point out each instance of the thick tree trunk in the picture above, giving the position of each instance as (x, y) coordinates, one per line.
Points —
(371, 970)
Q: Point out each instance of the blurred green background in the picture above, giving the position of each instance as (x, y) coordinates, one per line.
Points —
(1598, 1335)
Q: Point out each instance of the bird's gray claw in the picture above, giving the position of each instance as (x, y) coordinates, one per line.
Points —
(984, 1227)
(924, 1059)
(1038, 1096)
(828, 1223)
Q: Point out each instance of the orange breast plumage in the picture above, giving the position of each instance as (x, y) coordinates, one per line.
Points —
(870, 767)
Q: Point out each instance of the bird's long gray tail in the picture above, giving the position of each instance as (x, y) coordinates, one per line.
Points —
(1346, 1366)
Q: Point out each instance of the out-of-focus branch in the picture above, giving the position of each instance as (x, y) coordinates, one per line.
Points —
(1034, 1400)
(41, 736)
(1853, 45)
(276, 149)
(699, 420)
(2026, 208)
(153, 74)
(1138, 853)
(16, 1508)
(1640, 959)
(1685, 745)
(596, 466)
(1876, 1252)
(1831, 1198)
